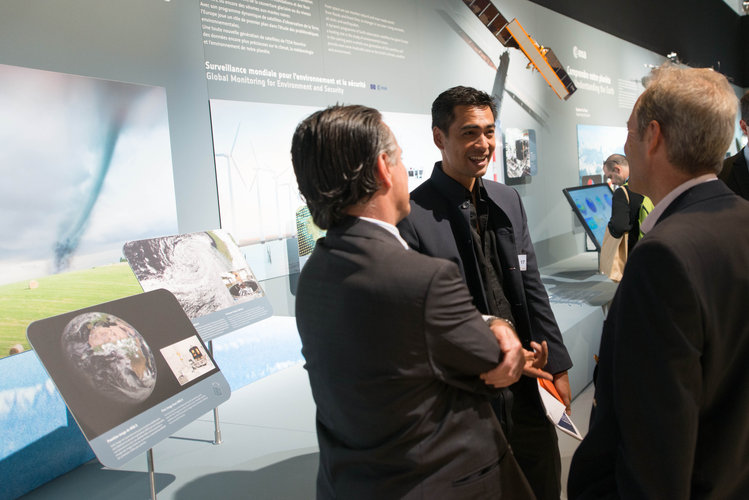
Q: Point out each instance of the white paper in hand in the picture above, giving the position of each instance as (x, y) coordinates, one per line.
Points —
(555, 411)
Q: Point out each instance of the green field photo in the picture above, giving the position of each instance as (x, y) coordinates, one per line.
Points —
(26, 301)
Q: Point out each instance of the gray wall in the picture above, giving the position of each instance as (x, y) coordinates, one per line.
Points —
(160, 43)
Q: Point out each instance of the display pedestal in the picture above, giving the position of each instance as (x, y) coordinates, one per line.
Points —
(151, 475)
(216, 427)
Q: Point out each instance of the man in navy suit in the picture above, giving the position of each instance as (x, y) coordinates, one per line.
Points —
(481, 226)
(669, 417)
(401, 365)
(735, 171)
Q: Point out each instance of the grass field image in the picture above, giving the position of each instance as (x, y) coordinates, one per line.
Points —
(26, 301)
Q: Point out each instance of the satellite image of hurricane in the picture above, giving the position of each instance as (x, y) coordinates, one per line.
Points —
(111, 355)
(205, 271)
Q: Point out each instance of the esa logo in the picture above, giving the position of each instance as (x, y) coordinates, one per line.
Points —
(579, 53)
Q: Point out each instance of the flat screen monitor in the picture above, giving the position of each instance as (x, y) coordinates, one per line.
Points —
(592, 205)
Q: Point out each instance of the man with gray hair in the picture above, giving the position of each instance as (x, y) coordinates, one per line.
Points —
(735, 171)
(669, 416)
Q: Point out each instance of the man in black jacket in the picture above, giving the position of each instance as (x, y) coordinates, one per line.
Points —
(481, 226)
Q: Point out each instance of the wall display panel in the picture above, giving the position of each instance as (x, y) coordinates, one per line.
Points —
(258, 195)
(595, 143)
(311, 52)
(519, 155)
(86, 164)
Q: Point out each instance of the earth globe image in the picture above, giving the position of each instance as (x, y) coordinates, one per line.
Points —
(111, 355)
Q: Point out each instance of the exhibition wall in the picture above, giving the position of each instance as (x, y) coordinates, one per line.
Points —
(146, 118)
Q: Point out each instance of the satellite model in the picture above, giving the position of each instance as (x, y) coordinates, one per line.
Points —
(511, 34)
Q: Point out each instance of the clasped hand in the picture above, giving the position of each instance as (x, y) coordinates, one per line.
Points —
(516, 361)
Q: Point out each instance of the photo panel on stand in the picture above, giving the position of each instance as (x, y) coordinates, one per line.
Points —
(131, 371)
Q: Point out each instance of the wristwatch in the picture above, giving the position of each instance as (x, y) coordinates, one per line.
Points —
(490, 319)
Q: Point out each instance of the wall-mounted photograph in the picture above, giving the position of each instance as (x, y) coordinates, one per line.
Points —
(86, 165)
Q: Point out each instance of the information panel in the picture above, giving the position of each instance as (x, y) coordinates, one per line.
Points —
(207, 274)
(132, 371)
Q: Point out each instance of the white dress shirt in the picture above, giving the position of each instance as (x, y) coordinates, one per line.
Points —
(662, 205)
(388, 227)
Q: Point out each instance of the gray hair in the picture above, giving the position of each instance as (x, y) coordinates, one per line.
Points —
(696, 111)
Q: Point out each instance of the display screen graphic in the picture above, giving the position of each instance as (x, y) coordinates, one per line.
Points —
(592, 205)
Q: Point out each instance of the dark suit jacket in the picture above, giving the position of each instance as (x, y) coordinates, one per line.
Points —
(736, 174)
(670, 417)
(393, 347)
(439, 226)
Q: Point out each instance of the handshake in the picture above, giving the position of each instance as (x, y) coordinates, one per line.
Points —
(517, 361)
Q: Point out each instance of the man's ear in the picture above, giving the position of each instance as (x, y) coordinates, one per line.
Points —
(653, 137)
(744, 126)
(439, 137)
(383, 171)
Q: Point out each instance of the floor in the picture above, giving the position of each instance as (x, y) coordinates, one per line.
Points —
(268, 451)
(581, 406)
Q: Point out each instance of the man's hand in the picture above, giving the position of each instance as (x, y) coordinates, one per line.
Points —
(562, 385)
(513, 356)
(535, 361)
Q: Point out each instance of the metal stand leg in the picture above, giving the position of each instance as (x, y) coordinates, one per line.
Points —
(151, 476)
(216, 427)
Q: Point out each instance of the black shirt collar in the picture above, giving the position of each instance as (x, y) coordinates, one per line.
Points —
(453, 190)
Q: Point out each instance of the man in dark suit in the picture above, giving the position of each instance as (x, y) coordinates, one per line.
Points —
(400, 363)
(735, 171)
(669, 417)
(481, 226)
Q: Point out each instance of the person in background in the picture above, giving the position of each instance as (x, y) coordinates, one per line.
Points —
(669, 417)
(735, 172)
(401, 364)
(481, 226)
(626, 215)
